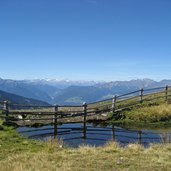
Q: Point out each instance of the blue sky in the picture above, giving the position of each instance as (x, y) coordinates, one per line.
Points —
(85, 39)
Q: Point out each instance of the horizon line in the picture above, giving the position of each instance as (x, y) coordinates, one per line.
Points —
(81, 80)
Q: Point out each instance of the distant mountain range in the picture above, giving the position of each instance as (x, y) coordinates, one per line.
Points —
(74, 92)
(29, 89)
(62, 84)
(77, 94)
(15, 99)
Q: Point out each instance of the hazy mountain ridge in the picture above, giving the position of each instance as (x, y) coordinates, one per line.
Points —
(75, 92)
(62, 84)
(22, 88)
(106, 90)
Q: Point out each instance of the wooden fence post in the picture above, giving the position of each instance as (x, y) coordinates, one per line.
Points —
(6, 108)
(141, 95)
(166, 93)
(114, 103)
(56, 121)
(85, 119)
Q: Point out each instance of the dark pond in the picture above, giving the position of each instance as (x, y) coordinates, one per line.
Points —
(74, 134)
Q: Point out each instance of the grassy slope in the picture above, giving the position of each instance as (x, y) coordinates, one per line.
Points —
(150, 114)
(18, 154)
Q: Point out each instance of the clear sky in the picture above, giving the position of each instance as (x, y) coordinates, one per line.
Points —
(85, 39)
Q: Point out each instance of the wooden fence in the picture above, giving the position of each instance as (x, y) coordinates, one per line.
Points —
(57, 114)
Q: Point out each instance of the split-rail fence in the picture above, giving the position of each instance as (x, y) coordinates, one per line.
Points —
(67, 113)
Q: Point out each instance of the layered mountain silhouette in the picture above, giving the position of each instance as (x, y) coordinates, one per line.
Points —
(69, 92)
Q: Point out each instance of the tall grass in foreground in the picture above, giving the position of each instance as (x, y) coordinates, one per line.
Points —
(110, 157)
